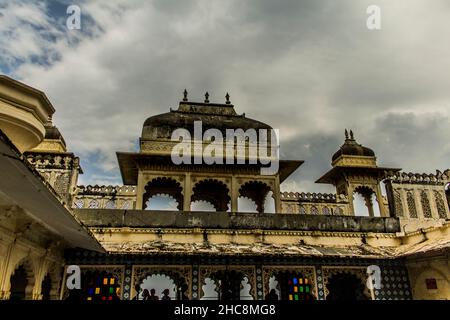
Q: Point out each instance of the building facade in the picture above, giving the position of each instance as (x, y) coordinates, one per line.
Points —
(227, 231)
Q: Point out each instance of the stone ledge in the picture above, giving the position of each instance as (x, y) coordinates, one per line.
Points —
(225, 220)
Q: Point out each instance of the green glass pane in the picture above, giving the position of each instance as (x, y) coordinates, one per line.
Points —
(301, 288)
(307, 289)
(296, 297)
(111, 290)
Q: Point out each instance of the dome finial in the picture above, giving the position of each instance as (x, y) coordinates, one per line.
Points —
(351, 135)
(346, 134)
(206, 97)
(185, 94)
(227, 97)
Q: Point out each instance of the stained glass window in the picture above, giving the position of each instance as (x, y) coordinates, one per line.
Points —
(299, 289)
(100, 286)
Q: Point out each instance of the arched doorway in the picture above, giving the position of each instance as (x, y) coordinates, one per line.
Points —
(158, 283)
(228, 284)
(345, 286)
(19, 282)
(162, 285)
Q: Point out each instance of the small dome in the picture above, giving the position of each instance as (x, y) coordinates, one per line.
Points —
(352, 148)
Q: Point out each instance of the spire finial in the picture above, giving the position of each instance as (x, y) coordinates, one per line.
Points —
(227, 97)
(351, 135)
(206, 97)
(346, 134)
(185, 94)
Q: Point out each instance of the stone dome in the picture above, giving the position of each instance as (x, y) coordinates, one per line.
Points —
(218, 116)
(352, 148)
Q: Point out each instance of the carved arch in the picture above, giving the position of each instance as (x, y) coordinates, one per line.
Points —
(213, 191)
(166, 186)
(255, 191)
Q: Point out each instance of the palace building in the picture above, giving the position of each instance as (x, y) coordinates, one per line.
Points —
(210, 231)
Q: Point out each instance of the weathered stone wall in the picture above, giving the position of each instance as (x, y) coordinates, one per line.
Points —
(223, 220)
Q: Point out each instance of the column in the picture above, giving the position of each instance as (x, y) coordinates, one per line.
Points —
(140, 191)
(276, 195)
(320, 284)
(196, 286)
(369, 204)
(383, 211)
(126, 295)
(187, 192)
(259, 283)
(234, 194)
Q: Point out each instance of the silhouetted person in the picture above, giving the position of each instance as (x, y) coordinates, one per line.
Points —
(145, 295)
(166, 295)
(138, 290)
(272, 295)
(152, 295)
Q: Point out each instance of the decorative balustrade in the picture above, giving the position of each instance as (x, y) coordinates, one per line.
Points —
(106, 190)
(52, 160)
(421, 178)
(314, 203)
(309, 197)
(105, 197)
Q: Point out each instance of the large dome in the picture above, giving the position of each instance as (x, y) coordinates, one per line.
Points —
(218, 116)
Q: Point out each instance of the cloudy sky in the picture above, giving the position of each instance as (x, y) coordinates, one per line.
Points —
(310, 68)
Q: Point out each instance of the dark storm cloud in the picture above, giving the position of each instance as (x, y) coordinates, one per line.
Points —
(309, 68)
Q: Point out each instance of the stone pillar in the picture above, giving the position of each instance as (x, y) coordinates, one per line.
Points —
(320, 285)
(277, 195)
(351, 200)
(187, 192)
(126, 294)
(196, 286)
(140, 188)
(234, 194)
(381, 206)
(369, 204)
(259, 283)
